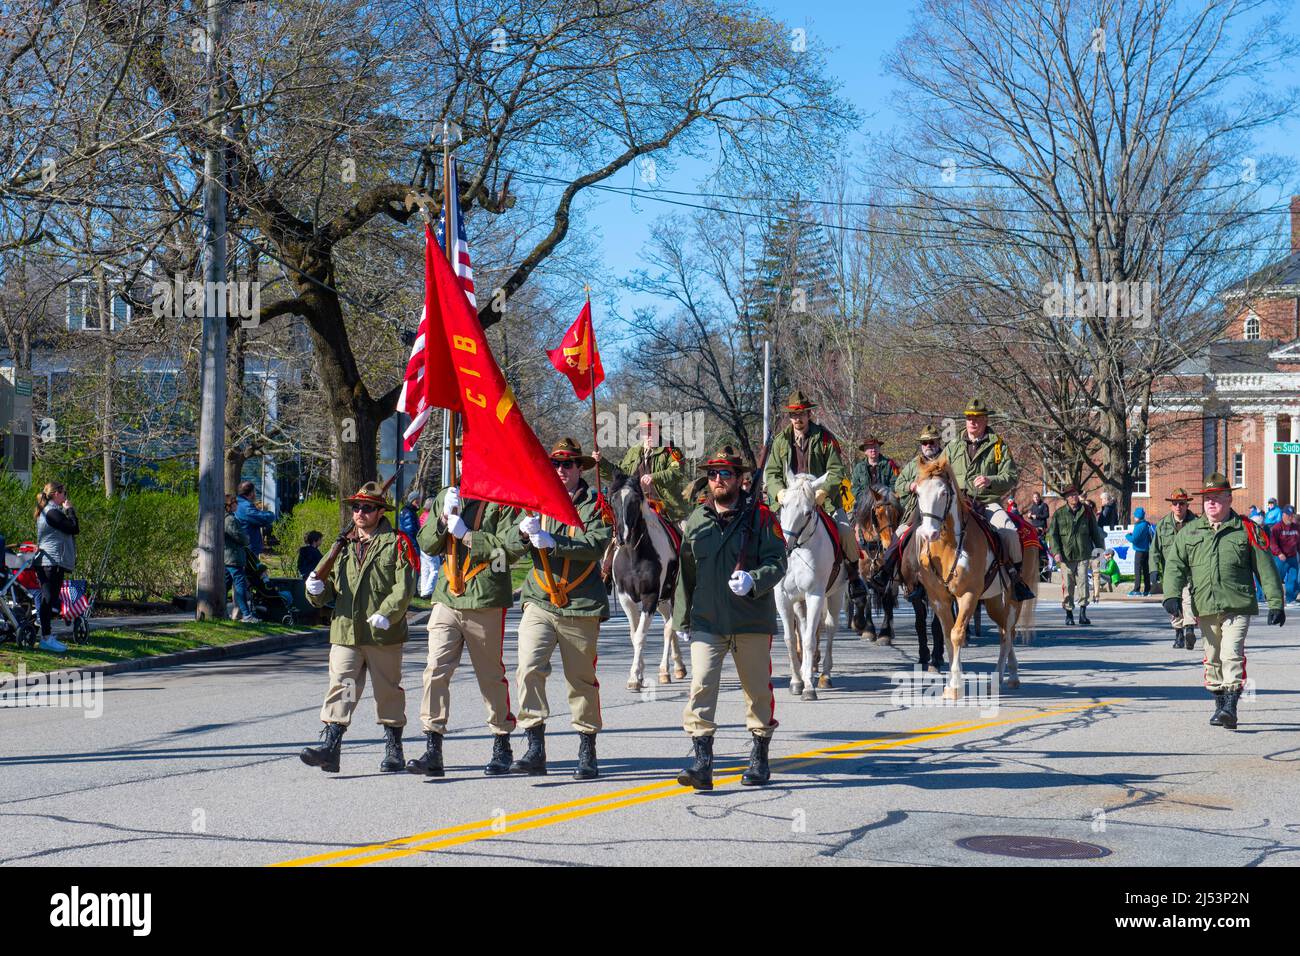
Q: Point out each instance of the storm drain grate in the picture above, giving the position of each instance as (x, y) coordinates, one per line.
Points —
(1033, 847)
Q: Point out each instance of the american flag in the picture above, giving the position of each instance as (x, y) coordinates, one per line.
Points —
(73, 600)
(412, 400)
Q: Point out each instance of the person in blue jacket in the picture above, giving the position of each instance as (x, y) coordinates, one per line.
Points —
(252, 518)
(1142, 537)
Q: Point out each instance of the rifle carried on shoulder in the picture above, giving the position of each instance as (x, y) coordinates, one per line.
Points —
(751, 506)
(326, 566)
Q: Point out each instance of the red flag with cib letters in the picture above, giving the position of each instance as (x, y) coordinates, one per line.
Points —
(577, 356)
(501, 458)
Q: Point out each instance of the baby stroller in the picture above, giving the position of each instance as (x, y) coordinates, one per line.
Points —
(19, 592)
(264, 600)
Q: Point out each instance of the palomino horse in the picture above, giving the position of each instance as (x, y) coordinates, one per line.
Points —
(645, 557)
(807, 600)
(875, 519)
(953, 559)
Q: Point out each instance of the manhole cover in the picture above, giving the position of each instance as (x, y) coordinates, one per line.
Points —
(1033, 847)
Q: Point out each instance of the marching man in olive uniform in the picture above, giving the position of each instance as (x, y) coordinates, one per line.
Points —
(473, 616)
(873, 470)
(732, 558)
(1218, 556)
(805, 447)
(986, 473)
(1075, 539)
(1169, 527)
(569, 616)
(371, 585)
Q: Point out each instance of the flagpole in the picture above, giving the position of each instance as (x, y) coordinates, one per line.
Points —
(454, 583)
(591, 368)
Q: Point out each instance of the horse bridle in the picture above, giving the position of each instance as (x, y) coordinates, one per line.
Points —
(947, 510)
(640, 536)
(793, 541)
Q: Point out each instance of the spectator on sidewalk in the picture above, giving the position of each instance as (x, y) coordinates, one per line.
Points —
(408, 519)
(1109, 572)
(309, 554)
(253, 518)
(1038, 512)
(1272, 515)
(1109, 515)
(56, 531)
(1142, 537)
(1285, 543)
(236, 557)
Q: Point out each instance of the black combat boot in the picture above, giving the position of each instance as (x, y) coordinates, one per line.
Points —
(325, 756)
(1018, 587)
(501, 756)
(857, 590)
(533, 762)
(1178, 637)
(1083, 616)
(586, 758)
(699, 774)
(1216, 719)
(1229, 717)
(757, 773)
(1069, 616)
(394, 761)
(430, 763)
(1189, 638)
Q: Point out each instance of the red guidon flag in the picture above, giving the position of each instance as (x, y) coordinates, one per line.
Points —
(501, 458)
(577, 355)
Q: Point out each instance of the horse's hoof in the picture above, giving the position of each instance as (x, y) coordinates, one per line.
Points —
(663, 678)
(634, 685)
(823, 681)
(809, 694)
(951, 693)
(679, 672)
(884, 641)
(796, 689)
(868, 636)
(1013, 683)
(932, 669)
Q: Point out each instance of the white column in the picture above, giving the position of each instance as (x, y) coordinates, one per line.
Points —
(1270, 460)
(1293, 462)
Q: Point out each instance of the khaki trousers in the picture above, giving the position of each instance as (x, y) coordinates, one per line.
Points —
(753, 656)
(1225, 650)
(540, 630)
(1076, 581)
(847, 537)
(999, 519)
(483, 631)
(348, 668)
(1187, 618)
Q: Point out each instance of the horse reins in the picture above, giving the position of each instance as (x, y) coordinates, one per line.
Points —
(942, 519)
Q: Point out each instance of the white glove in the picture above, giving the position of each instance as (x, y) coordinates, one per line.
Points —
(530, 525)
(314, 584)
(457, 526)
(742, 582)
(684, 636)
(543, 540)
(780, 497)
(378, 621)
(451, 503)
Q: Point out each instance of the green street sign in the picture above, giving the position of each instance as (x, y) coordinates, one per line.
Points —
(1286, 447)
(24, 387)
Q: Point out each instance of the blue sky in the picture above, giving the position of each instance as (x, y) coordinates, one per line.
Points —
(855, 38)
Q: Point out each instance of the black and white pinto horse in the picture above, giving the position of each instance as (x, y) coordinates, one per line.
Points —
(645, 561)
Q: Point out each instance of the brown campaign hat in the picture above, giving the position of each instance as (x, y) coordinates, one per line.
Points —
(371, 493)
(1214, 484)
(566, 449)
(726, 457)
(870, 441)
(1069, 490)
(799, 402)
(1179, 495)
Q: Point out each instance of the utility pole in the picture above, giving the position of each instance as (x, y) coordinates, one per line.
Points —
(211, 585)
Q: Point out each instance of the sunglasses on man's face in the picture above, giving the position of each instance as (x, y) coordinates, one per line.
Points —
(720, 474)
(364, 509)
(557, 463)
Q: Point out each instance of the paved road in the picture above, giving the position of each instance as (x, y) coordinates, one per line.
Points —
(1106, 743)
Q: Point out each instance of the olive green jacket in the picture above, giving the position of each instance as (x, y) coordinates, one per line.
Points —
(236, 543)
(579, 550)
(1072, 535)
(710, 546)
(383, 583)
(487, 547)
(664, 466)
(1167, 529)
(824, 457)
(884, 472)
(1220, 567)
(992, 459)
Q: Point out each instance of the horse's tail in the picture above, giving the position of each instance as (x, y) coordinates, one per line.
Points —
(1029, 573)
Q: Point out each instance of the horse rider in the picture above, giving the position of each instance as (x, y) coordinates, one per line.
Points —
(658, 468)
(1075, 538)
(928, 449)
(986, 473)
(1218, 556)
(568, 616)
(473, 616)
(733, 556)
(371, 585)
(805, 447)
(1167, 529)
(874, 470)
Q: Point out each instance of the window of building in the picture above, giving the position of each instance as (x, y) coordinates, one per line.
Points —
(83, 316)
(1239, 470)
(1140, 485)
(1250, 329)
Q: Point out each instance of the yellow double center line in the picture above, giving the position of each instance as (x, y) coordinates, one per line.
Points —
(619, 799)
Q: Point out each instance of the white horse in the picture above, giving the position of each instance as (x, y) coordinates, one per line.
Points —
(644, 558)
(807, 607)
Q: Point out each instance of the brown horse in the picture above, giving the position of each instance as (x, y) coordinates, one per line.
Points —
(876, 516)
(953, 559)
